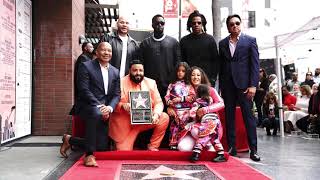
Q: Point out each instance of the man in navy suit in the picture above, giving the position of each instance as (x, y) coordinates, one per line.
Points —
(239, 77)
(98, 94)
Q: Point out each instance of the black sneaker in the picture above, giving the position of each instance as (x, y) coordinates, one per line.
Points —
(219, 158)
(195, 157)
(254, 156)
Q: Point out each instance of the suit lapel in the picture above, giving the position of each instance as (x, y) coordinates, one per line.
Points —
(98, 74)
(238, 44)
(227, 48)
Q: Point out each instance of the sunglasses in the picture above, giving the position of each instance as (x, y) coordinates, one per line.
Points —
(233, 24)
(194, 23)
(160, 23)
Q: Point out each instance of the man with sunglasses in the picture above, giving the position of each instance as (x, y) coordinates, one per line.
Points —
(199, 48)
(239, 77)
(160, 54)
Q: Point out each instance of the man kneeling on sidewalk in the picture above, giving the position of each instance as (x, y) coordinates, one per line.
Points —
(120, 128)
(98, 93)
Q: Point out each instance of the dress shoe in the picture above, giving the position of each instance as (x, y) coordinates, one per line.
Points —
(65, 146)
(195, 157)
(90, 161)
(274, 133)
(254, 156)
(232, 151)
(219, 158)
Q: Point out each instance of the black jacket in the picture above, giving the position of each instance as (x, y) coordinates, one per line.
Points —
(116, 44)
(82, 58)
(160, 59)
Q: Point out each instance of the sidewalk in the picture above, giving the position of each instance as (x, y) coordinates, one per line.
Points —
(33, 157)
(37, 157)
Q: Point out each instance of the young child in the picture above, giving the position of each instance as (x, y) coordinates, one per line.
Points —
(179, 96)
(271, 114)
(205, 130)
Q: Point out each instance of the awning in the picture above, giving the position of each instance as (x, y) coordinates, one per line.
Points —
(98, 19)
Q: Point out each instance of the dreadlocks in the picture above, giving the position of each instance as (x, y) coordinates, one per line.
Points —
(196, 13)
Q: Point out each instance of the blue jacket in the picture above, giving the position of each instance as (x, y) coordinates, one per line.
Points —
(243, 67)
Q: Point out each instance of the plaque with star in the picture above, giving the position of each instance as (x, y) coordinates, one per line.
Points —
(141, 112)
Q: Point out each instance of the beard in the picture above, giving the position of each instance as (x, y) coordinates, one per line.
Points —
(316, 74)
(136, 78)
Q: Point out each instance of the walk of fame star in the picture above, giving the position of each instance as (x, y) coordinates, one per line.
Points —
(140, 101)
(163, 171)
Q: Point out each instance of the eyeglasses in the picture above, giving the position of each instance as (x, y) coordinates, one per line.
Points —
(160, 23)
(194, 23)
(233, 24)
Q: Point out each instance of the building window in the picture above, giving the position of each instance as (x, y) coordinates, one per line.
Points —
(267, 3)
(252, 19)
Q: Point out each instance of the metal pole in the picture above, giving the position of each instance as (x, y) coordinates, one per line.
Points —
(179, 16)
(216, 22)
(279, 76)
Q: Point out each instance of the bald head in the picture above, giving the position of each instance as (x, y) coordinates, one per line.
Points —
(103, 44)
(123, 26)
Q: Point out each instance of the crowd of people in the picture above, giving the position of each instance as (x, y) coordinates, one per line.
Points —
(299, 102)
(179, 77)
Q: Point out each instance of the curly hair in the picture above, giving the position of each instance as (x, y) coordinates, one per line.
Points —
(269, 96)
(196, 13)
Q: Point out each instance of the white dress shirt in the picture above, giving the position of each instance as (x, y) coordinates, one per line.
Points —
(123, 55)
(105, 76)
(233, 45)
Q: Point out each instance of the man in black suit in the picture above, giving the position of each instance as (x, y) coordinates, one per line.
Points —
(98, 93)
(87, 49)
(239, 77)
(87, 53)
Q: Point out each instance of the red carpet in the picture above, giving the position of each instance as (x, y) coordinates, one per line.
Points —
(110, 165)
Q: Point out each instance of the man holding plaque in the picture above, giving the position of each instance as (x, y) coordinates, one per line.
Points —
(140, 109)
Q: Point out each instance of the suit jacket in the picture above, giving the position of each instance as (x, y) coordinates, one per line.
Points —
(82, 58)
(91, 90)
(120, 124)
(243, 67)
